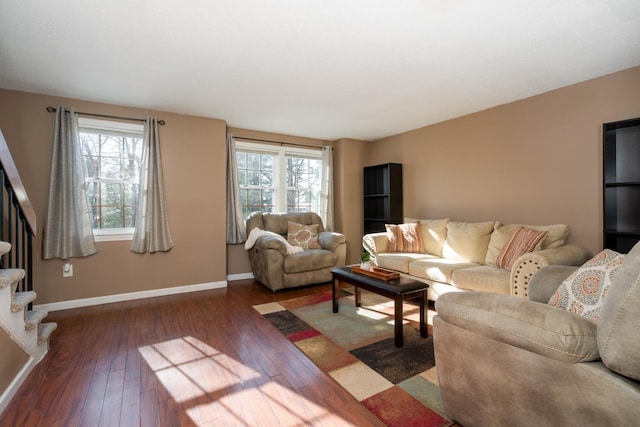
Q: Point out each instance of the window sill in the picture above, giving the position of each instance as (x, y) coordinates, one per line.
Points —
(112, 235)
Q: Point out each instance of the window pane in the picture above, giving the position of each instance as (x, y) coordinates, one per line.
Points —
(253, 161)
(130, 216)
(241, 160)
(131, 194)
(110, 168)
(112, 217)
(111, 194)
(253, 178)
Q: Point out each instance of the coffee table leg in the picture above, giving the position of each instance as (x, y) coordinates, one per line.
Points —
(423, 315)
(358, 296)
(398, 321)
(335, 288)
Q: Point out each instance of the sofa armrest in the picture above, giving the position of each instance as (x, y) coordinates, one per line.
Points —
(529, 325)
(524, 267)
(271, 242)
(375, 243)
(330, 240)
(545, 282)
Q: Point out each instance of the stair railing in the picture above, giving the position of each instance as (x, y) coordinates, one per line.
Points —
(19, 219)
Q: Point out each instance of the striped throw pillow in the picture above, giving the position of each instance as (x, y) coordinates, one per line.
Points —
(405, 238)
(522, 240)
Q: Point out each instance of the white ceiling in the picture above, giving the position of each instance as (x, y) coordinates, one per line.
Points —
(319, 68)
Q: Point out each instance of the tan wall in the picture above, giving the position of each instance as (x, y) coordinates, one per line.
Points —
(193, 154)
(12, 361)
(537, 161)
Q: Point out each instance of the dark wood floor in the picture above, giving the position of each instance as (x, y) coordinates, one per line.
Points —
(200, 359)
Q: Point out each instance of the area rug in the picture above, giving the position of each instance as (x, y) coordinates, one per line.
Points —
(356, 348)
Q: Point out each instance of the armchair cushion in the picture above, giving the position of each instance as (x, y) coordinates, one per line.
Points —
(619, 324)
(528, 325)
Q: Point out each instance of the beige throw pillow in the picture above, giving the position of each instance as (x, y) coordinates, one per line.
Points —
(522, 241)
(584, 291)
(467, 241)
(304, 236)
(556, 235)
(404, 238)
(434, 233)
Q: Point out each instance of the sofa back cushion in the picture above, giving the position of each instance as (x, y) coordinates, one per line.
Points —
(467, 241)
(434, 233)
(619, 324)
(556, 236)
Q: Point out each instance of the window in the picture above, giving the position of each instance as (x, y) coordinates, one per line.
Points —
(112, 155)
(278, 179)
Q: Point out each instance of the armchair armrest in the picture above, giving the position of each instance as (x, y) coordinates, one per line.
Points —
(529, 263)
(375, 243)
(330, 240)
(271, 242)
(529, 325)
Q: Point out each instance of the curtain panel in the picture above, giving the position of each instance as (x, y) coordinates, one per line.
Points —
(68, 232)
(152, 233)
(326, 207)
(236, 232)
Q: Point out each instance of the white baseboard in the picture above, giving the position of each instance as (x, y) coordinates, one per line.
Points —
(86, 302)
(12, 389)
(241, 276)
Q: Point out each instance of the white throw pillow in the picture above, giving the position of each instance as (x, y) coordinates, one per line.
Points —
(584, 291)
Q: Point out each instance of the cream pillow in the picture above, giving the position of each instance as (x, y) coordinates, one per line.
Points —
(585, 290)
(556, 235)
(467, 241)
(434, 233)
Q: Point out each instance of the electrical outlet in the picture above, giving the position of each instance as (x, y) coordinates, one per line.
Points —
(67, 270)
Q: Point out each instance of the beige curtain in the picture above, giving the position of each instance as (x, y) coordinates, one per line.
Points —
(152, 232)
(236, 232)
(326, 188)
(68, 232)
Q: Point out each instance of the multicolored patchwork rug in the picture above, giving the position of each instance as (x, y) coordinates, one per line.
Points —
(355, 347)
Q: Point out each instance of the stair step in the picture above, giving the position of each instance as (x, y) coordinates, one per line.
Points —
(45, 330)
(10, 276)
(33, 318)
(21, 299)
(5, 247)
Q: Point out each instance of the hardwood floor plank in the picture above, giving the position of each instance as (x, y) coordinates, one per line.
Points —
(199, 359)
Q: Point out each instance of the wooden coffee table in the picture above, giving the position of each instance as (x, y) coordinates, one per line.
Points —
(398, 290)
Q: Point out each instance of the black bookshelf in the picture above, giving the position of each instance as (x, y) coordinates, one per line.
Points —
(382, 196)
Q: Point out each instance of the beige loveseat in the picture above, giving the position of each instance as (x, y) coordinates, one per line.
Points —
(276, 268)
(462, 256)
(504, 361)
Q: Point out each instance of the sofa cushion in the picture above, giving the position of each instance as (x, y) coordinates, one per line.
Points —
(482, 278)
(522, 241)
(404, 238)
(525, 324)
(556, 235)
(619, 324)
(584, 291)
(467, 241)
(399, 261)
(304, 236)
(437, 269)
(434, 233)
(310, 259)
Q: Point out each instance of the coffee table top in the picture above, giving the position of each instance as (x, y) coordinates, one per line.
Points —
(397, 286)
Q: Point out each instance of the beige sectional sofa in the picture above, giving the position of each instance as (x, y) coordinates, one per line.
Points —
(462, 256)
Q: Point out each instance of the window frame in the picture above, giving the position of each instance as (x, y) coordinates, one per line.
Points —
(111, 128)
(281, 153)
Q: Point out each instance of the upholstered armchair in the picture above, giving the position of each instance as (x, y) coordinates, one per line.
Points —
(506, 361)
(278, 262)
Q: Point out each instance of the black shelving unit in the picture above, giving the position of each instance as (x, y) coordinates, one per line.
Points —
(621, 170)
(382, 196)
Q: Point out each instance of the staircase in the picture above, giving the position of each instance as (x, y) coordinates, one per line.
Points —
(23, 325)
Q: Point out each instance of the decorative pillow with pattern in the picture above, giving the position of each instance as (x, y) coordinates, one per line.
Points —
(405, 238)
(305, 236)
(522, 241)
(584, 291)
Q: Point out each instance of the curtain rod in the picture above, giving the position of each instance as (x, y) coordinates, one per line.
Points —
(107, 116)
(278, 142)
